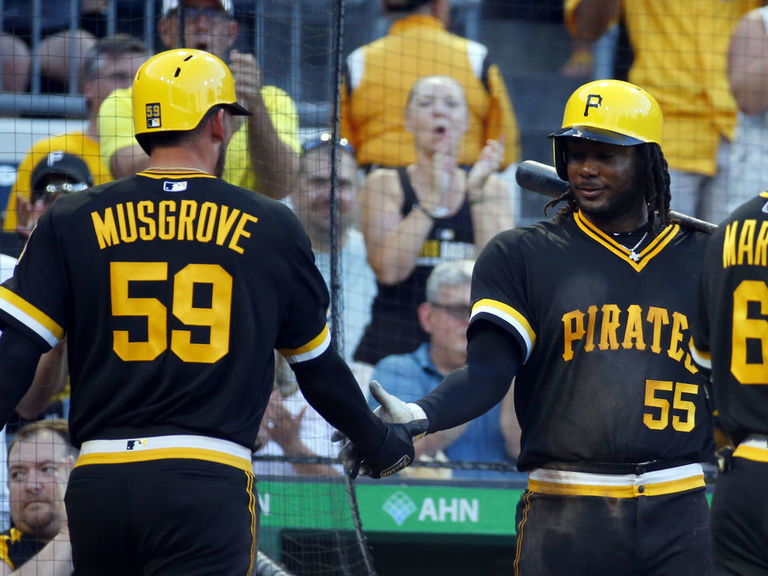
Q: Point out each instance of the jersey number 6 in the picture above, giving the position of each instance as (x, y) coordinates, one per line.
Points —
(746, 329)
(216, 317)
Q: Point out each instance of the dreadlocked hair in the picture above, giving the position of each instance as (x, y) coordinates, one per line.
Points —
(566, 211)
(651, 178)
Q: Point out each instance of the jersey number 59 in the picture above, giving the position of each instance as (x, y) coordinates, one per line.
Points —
(216, 317)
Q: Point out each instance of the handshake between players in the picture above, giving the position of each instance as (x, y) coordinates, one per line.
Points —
(406, 423)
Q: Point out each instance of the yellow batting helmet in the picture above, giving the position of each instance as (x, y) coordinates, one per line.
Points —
(173, 90)
(610, 111)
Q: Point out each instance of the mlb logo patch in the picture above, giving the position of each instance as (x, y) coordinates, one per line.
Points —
(174, 186)
(136, 444)
(153, 116)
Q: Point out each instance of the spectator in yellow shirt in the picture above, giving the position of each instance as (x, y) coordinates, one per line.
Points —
(680, 51)
(263, 152)
(378, 78)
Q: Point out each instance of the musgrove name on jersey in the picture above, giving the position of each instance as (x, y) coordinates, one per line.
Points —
(744, 245)
(172, 220)
(611, 328)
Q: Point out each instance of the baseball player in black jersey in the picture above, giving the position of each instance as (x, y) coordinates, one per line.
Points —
(730, 337)
(173, 288)
(589, 312)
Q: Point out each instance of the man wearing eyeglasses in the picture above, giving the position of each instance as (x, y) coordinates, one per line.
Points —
(57, 174)
(263, 153)
(445, 317)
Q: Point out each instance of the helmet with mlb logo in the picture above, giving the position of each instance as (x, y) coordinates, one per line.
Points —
(173, 91)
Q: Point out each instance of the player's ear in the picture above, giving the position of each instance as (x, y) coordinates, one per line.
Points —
(217, 124)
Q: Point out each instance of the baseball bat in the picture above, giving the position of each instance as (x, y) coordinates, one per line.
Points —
(543, 179)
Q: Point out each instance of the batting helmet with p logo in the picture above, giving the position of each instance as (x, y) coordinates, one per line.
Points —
(610, 111)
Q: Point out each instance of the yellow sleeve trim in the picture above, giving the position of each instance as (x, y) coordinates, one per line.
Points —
(702, 357)
(312, 349)
(31, 317)
(509, 315)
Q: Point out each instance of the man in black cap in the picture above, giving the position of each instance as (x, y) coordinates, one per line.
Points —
(57, 174)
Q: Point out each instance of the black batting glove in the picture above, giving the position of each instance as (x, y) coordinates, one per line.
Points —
(395, 453)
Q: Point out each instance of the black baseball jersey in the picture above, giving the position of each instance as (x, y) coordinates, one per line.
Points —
(172, 290)
(730, 333)
(16, 548)
(607, 376)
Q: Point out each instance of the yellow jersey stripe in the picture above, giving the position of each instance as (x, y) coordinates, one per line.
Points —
(174, 174)
(43, 325)
(508, 315)
(312, 349)
(701, 357)
(751, 453)
(644, 256)
(521, 532)
(634, 491)
(254, 518)
(163, 454)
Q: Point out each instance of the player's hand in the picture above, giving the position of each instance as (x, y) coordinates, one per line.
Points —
(391, 409)
(724, 458)
(247, 75)
(394, 410)
(392, 456)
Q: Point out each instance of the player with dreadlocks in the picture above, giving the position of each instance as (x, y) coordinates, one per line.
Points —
(651, 170)
(589, 312)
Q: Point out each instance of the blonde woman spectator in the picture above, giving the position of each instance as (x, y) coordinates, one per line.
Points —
(431, 211)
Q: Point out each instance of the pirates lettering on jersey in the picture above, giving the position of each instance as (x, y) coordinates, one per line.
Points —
(186, 220)
(608, 327)
(746, 243)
